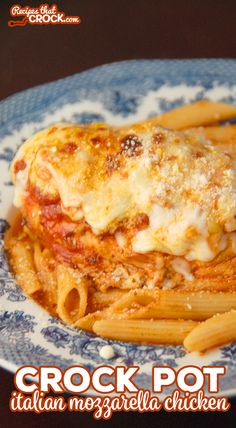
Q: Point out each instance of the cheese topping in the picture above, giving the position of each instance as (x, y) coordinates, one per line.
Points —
(182, 266)
(185, 187)
(120, 239)
(21, 182)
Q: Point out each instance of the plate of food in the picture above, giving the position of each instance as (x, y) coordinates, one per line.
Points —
(118, 219)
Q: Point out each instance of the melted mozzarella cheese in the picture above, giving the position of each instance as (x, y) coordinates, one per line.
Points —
(182, 266)
(179, 232)
(104, 205)
(185, 187)
(120, 239)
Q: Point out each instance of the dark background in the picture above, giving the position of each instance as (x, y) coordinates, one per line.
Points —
(111, 30)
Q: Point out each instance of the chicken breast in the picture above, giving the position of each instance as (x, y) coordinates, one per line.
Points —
(140, 207)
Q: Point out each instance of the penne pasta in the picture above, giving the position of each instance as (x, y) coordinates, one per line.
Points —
(199, 113)
(22, 259)
(72, 294)
(46, 276)
(100, 300)
(146, 304)
(216, 331)
(145, 331)
(223, 137)
(217, 134)
(87, 322)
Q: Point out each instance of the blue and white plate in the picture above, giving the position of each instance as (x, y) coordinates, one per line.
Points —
(119, 93)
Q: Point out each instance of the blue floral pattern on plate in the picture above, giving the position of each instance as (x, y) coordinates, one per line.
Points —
(118, 93)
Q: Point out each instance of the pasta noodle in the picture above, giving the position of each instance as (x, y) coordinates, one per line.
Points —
(223, 137)
(47, 276)
(22, 260)
(216, 331)
(87, 322)
(200, 113)
(143, 331)
(89, 256)
(72, 294)
(179, 304)
(99, 300)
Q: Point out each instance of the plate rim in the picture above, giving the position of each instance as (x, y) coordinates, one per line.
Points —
(198, 63)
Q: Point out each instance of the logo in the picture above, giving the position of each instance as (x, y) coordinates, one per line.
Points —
(42, 15)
